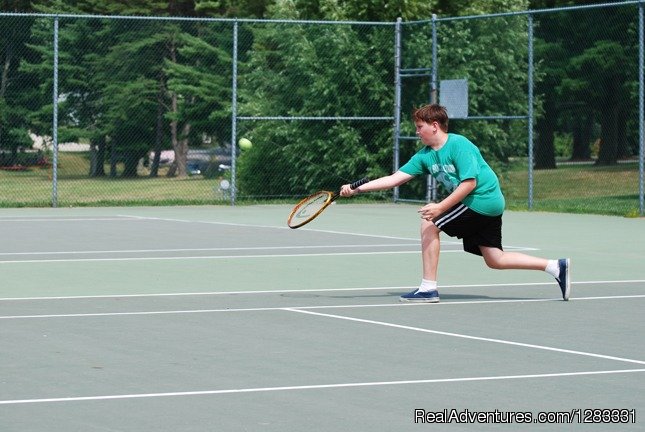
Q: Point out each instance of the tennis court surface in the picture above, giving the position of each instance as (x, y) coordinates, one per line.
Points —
(223, 319)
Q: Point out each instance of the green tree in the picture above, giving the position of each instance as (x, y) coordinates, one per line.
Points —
(181, 67)
(550, 71)
(365, 10)
(79, 91)
(14, 83)
(200, 85)
(233, 8)
(587, 74)
(492, 55)
(605, 90)
(314, 70)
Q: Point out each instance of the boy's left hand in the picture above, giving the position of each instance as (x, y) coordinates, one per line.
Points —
(430, 211)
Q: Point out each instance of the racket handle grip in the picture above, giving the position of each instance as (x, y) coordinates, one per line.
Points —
(357, 183)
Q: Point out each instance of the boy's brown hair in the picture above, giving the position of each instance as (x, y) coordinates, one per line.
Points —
(432, 113)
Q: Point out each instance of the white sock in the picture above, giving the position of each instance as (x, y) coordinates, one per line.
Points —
(553, 268)
(427, 285)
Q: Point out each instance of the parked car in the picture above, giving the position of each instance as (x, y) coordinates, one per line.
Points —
(208, 162)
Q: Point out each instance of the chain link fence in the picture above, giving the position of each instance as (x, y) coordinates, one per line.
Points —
(99, 110)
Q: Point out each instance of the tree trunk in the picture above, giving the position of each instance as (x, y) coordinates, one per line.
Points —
(545, 147)
(154, 168)
(113, 160)
(623, 146)
(608, 153)
(179, 144)
(130, 164)
(5, 71)
(582, 137)
(4, 79)
(609, 124)
(97, 157)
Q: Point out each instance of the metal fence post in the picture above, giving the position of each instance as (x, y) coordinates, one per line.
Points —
(530, 109)
(234, 118)
(397, 101)
(55, 119)
(433, 79)
(431, 194)
(641, 110)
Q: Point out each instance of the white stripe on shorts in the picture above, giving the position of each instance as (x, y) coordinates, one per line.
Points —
(454, 213)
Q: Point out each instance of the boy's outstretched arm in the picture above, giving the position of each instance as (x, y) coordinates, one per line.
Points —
(382, 183)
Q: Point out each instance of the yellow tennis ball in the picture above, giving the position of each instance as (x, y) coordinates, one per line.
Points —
(245, 143)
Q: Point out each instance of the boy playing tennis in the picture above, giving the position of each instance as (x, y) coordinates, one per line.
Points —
(472, 211)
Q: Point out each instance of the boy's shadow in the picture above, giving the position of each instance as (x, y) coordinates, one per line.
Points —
(396, 294)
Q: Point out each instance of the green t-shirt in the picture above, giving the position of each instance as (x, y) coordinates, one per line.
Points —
(459, 160)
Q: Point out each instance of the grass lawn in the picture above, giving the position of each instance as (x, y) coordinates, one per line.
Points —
(571, 188)
(575, 188)
(33, 187)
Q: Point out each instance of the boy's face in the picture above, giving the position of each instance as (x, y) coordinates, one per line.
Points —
(426, 131)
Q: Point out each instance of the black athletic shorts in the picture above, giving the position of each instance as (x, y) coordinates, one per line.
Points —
(474, 228)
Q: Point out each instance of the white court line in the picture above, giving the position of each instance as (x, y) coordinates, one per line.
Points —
(126, 218)
(282, 308)
(126, 251)
(215, 293)
(269, 226)
(178, 258)
(304, 291)
(144, 218)
(464, 336)
(118, 218)
(445, 241)
(316, 387)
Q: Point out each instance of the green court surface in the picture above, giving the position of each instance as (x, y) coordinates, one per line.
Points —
(223, 319)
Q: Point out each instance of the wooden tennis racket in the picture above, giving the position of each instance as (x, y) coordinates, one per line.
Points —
(311, 207)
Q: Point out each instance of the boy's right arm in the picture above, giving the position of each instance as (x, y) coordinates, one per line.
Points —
(382, 183)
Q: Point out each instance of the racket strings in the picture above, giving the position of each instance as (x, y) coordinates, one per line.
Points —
(309, 208)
